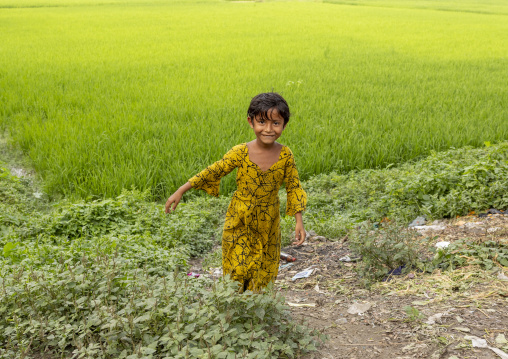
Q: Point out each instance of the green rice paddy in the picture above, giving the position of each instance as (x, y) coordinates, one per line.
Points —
(105, 95)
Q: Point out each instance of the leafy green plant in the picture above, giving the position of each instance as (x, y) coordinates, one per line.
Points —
(444, 184)
(104, 307)
(385, 249)
(413, 314)
(464, 252)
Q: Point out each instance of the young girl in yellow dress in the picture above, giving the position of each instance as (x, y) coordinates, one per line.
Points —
(251, 237)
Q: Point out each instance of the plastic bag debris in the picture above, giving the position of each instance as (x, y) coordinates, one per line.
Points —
(502, 276)
(482, 343)
(429, 228)
(301, 304)
(303, 274)
(419, 221)
(359, 308)
(284, 266)
(442, 245)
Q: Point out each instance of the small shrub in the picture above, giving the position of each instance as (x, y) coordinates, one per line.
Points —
(386, 248)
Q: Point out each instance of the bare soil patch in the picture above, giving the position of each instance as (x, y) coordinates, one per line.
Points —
(468, 301)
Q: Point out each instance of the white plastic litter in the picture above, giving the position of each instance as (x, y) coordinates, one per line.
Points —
(429, 228)
(304, 274)
(442, 245)
(482, 343)
(284, 266)
(501, 339)
(502, 276)
(345, 259)
(436, 318)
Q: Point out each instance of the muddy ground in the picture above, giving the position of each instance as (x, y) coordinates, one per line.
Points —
(468, 301)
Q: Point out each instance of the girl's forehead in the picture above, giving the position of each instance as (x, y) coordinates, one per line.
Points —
(271, 114)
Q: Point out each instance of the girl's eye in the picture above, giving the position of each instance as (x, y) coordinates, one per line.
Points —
(276, 123)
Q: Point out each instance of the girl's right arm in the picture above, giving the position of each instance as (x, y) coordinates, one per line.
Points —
(209, 179)
(175, 198)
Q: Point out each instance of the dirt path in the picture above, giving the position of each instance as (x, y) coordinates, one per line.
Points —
(468, 302)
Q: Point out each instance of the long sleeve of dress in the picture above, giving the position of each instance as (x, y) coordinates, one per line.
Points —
(209, 179)
(296, 196)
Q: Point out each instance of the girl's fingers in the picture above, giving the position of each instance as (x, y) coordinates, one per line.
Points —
(168, 205)
(300, 238)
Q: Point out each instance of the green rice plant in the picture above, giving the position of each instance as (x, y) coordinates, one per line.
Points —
(106, 95)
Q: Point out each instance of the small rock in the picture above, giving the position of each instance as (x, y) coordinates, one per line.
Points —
(459, 319)
(310, 233)
(341, 321)
(411, 276)
(462, 329)
(493, 229)
(320, 239)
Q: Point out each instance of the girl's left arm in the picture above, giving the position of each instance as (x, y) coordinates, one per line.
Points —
(299, 230)
(296, 198)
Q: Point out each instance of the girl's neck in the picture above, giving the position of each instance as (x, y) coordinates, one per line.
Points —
(258, 145)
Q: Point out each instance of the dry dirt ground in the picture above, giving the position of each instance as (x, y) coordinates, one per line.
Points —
(467, 302)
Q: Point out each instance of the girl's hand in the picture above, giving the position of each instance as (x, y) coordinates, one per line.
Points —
(175, 198)
(299, 230)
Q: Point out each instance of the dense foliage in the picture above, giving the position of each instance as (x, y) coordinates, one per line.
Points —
(103, 279)
(104, 305)
(444, 184)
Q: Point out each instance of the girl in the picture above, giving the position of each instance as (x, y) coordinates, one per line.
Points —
(251, 237)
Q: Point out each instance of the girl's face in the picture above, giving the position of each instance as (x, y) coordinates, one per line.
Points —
(267, 131)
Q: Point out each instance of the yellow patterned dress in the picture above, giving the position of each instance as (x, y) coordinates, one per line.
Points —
(251, 236)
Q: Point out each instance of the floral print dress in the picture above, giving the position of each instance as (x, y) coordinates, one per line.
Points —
(251, 236)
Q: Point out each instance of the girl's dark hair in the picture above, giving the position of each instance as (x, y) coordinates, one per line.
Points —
(262, 103)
